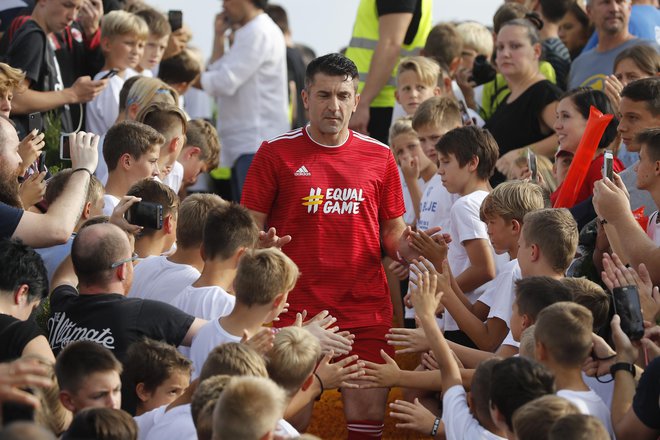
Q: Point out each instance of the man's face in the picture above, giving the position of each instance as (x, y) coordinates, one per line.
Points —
(609, 16)
(98, 390)
(647, 170)
(61, 13)
(330, 100)
(146, 165)
(236, 10)
(635, 116)
(11, 160)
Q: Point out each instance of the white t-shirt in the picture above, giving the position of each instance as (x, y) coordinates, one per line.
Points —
(251, 87)
(209, 336)
(604, 390)
(175, 177)
(175, 424)
(409, 216)
(459, 422)
(435, 205)
(500, 293)
(103, 110)
(209, 302)
(588, 402)
(158, 278)
(109, 203)
(147, 421)
(285, 430)
(510, 341)
(465, 225)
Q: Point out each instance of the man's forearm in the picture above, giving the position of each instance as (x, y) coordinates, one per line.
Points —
(635, 245)
(31, 101)
(69, 205)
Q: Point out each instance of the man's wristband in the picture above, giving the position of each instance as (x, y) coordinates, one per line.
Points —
(436, 425)
(321, 385)
(625, 366)
(83, 169)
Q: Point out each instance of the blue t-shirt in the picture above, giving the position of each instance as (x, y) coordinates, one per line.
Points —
(9, 219)
(644, 23)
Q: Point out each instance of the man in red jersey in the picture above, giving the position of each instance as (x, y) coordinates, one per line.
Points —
(338, 194)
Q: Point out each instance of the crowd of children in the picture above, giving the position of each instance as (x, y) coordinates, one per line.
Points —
(521, 270)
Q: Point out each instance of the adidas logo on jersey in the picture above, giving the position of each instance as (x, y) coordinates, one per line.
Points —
(302, 171)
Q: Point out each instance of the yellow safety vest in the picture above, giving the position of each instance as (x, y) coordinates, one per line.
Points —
(364, 40)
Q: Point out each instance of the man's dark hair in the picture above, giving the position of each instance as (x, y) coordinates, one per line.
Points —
(466, 143)
(332, 64)
(651, 139)
(20, 264)
(102, 424)
(228, 228)
(278, 14)
(480, 388)
(260, 4)
(554, 10)
(645, 90)
(516, 381)
(80, 359)
(95, 250)
(533, 294)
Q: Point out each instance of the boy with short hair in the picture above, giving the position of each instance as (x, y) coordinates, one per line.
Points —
(201, 153)
(163, 277)
(563, 342)
(467, 160)
(534, 419)
(578, 427)
(122, 41)
(248, 408)
(154, 48)
(172, 122)
(502, 211)
(155, 374)
(156, 241)
(263, 280)
(593, 297)
(228, 233)
(131, 151)
(291, 364)
(416, 81)
(180, 72)
(203, 403)
(88, 376)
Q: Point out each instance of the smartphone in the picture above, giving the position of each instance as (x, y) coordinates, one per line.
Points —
(175, 18)
(34, 122)
(607, 164)
(147, 214)
(532, 165)
(110, 74)
(627, 306)
(464, 114)
(41, 162)
(65, 147)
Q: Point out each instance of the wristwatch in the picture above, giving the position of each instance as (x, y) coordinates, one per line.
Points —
(625, 366)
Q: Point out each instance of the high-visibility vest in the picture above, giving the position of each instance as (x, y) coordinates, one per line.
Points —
(364, 40)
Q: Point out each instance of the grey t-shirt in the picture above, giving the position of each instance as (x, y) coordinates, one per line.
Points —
(638, 197)
(591, 68)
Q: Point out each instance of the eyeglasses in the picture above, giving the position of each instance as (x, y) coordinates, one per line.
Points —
(134, 257)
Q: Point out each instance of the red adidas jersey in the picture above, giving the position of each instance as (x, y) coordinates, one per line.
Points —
(331, 200)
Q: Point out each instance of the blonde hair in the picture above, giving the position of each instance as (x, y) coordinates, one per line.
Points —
(564, 328)
(426, 69)
(292, 358)
(248, 408)
(262, 275)
(476, 36)
(555, 232)
(145, 91)
(401, 126)
(233, 359)
(203, 135)
(534, 419)
(203, 402)
(593, 297)
(512, 201)
(116, 23)
(528, 343)
(578, 427)
(51, 414)
(438, 111)
(10, 78)
(544, 168)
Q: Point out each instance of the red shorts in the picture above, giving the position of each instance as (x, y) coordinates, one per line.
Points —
(368, 343)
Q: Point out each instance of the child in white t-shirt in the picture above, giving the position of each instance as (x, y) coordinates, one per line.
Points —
(228, 232)
(123, 36)
(263, 280)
